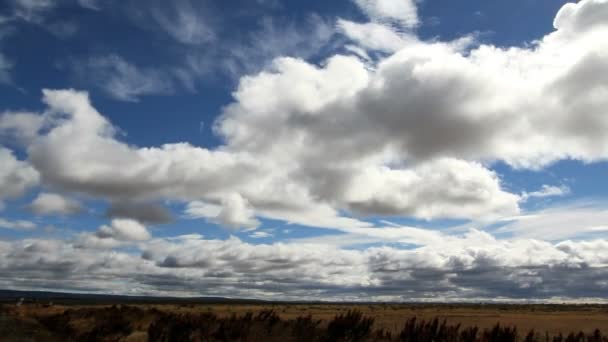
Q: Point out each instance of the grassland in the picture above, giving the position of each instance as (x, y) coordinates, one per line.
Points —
(40, 322)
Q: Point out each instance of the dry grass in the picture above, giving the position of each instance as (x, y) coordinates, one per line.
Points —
(133, 322)
(553, 319)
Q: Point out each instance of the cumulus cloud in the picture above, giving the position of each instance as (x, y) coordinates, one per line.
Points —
(235, 212)
(54, 204)
(80, 155)
(475, 266)
(412, 136)
(581, 16)
(19, 127)
(16, 177)
(143, 212)
(123, 230)
(374, 36)
(414, 133)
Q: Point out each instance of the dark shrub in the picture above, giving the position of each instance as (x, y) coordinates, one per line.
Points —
(305, 328)
(352, 326)
(500, 334)
(429, 331)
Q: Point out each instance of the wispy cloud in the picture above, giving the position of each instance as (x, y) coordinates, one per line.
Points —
(575, 220)
(547, 191)
(122, 80)
(23, 225)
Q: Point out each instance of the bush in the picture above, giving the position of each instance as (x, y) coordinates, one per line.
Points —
(352, 326)
(116, 323)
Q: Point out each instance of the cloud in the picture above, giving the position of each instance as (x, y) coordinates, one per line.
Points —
(123, 80)
(6, 66)
(184, 21)
(90, 4)
(19, 127)
(412, 134)
(581, 16)
(444, 188)
(143, 212)
(374, 36)
(21, 225)
(33, 10)
(260, 235)
(576, 220)
(43, 14)
(235, 212)
(123, 230)
(190, 28)
(54, 204)
(16, 177)
(254, 49)
(275, 37)
(6, 63)
(474, 267)
(175, 171)
(547, 191)
(401, 12)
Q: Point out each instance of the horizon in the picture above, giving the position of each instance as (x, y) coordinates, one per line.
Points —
(357, 150)
(168, 298)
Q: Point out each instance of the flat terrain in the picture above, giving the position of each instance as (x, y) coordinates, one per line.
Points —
(553, 319)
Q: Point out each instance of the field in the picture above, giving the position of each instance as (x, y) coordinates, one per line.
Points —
(136, 322)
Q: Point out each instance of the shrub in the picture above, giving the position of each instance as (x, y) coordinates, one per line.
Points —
(352, 326)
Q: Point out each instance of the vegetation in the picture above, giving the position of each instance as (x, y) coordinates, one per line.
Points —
(133, 323)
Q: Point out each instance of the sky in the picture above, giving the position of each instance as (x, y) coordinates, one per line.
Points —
(352, 150)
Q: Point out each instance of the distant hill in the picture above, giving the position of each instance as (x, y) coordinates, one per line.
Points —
(12, 296)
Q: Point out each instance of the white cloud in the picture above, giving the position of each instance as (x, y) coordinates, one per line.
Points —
(185, 21)
(414, 134)
(274, 37)
(233, 212)
(260, 235)
(374, 36)
(473, 266)
(578, 220)
(581, 16)
(123, 80)
(443, 188)
(402, 12)
(23, 225)
(20, 127)
(123, 230)
(547, 191)
(41, 13)
(16, 177)
(237, 213)
(54, 204)
(80, 154)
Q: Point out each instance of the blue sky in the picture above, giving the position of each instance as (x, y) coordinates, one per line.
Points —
(228, 146)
